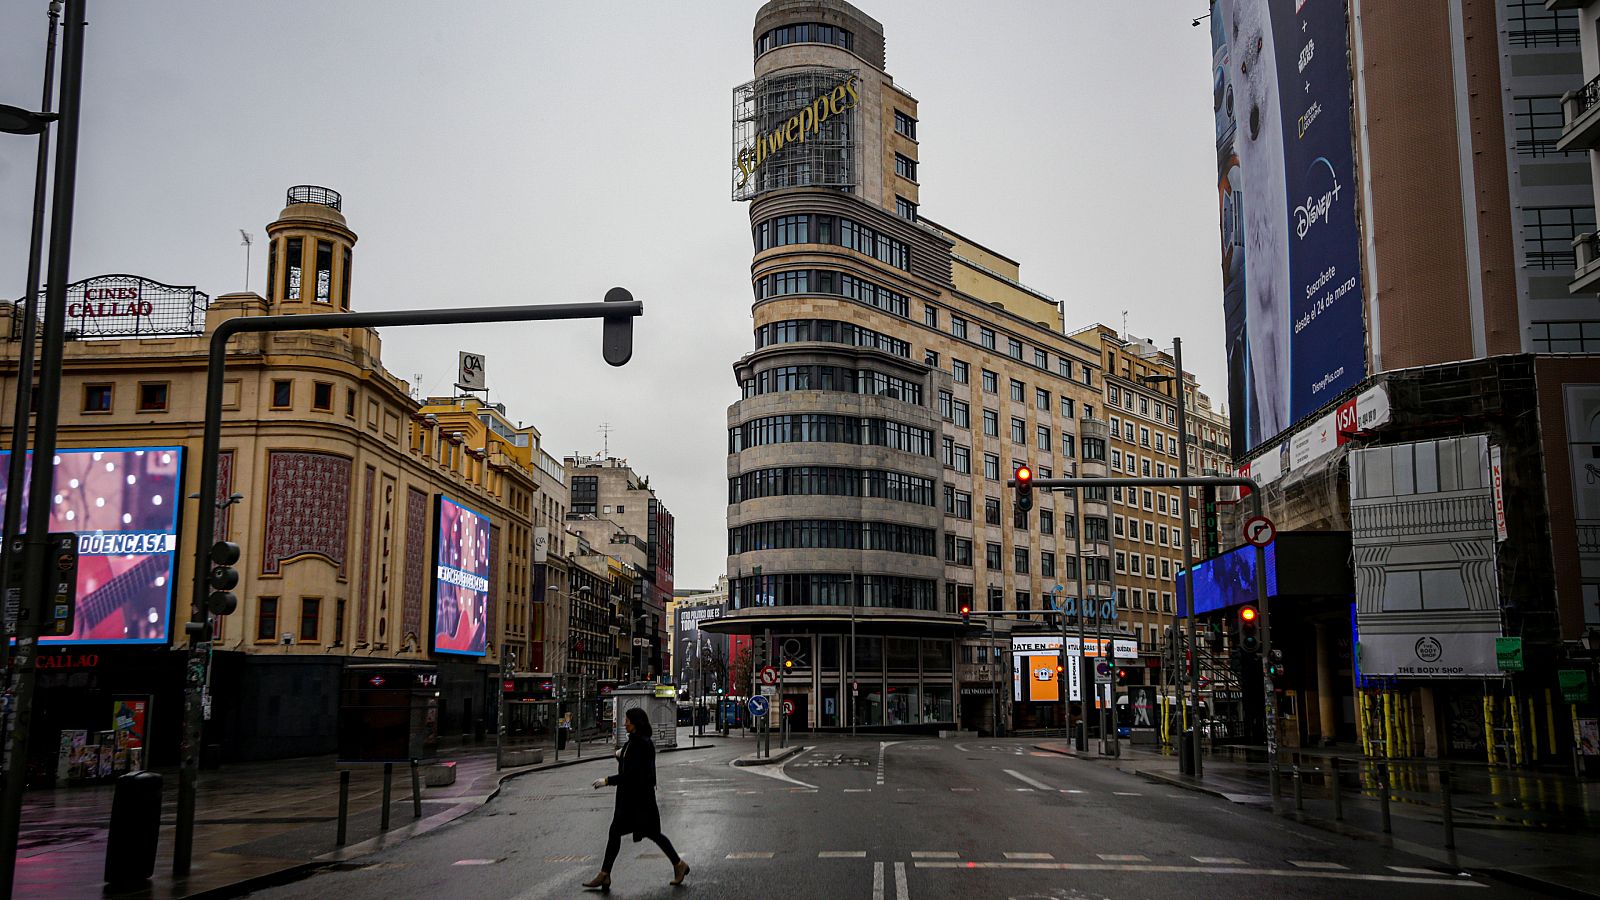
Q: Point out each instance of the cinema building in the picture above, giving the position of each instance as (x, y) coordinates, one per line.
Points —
(341, 479)
(898, 375)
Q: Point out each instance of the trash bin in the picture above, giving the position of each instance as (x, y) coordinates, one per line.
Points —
(1186, 752)
(135, 826)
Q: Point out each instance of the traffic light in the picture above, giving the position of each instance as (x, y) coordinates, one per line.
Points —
(223, 578)
(1249, 630)
(1122, 677)
(788, 664)
(1275, 664)
(1214, 635)
(966, 613)
(1022, 480)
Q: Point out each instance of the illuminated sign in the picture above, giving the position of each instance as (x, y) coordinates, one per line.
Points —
(123, 505)
(805, 123)
(461, 580)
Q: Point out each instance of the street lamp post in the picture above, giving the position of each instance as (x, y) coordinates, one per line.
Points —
(41, 484)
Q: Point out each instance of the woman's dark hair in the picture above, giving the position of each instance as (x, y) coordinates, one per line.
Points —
(641, 721)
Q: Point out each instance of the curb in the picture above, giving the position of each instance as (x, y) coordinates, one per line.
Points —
(780, 756)
(1164, 778)
(1551, 888)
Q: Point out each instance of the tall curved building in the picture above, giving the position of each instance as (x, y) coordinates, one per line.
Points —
(898, 374)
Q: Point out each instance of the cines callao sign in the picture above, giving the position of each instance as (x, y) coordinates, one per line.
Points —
(805, 123)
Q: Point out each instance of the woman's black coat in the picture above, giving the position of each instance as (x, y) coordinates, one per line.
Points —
(636, 790)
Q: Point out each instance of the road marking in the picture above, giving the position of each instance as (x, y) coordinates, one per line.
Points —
(802, 790)
(877, 881)
(963, 790)
(1126, 794)
(1194, 870)
(1071, 791)
(753, 854)
(842, 854)
(1223, 861)
(1413, 870)
(1028, 856)
(572, 858)
(858, 790)
(1029, 781)
(749, 792)
(910, 790)
(1123, 857)
(935, 854)
(902, 886)
(474, 862)
(1023, 790)
(1317, 864)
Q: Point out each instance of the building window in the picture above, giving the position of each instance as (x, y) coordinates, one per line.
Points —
(282, 393)
(1041, 358)
(1020, 557)
(324, 271)
(293, 260)
(986, 338)
(1067, 448)
(958, 327)
(991, 468)
(1066, 407)
(991, 382)
(991, 423)
(905, 167)
(960, 372)
(338, 622)
(1043, 437)
(272, 270)
(1017, 390)
(904, 124)
(991, 557)
(267, 619)
(1047, 564)
(1530, 24)
(1547, 234)
(350, 402)
(805, 33)
(1041, 399)
(310, 618)
(344, 287)
(1013, 348)
(1565, 337)
(153, 396)
(963, 414)
(322, 396)
(905, 209)
(930, 315)
(1018, 431)
(963, 460)
(97, 398)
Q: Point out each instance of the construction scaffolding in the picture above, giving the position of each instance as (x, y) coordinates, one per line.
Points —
(795, 128)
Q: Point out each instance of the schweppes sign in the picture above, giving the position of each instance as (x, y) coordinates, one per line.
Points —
(803, 124)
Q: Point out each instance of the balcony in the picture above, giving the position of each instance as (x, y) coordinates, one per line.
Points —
(1586, 275)
(1581, 109)
(1564, 4)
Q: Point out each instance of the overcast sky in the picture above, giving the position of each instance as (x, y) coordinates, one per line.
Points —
(519, 152)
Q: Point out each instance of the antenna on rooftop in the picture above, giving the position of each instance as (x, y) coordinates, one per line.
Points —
(605, 440)
(245, 235)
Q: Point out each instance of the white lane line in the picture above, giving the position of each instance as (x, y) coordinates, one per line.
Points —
(1023, 790)
(474, 862)
(1193, 870)
(842, 854)
(963, 790)
(902, 885)
(1413, 870)
(935, 854)
(1027, 856)
(1028, 781)
(1126, 794)
(1071, 791)
(1123, 857)
(858, 790)
(752, 854)
(877, 881)
(910, 790)
(1316, 864)
(749, 792)
(1223, 861)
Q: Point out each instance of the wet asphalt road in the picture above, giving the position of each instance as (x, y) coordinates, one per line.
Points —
(890, 820)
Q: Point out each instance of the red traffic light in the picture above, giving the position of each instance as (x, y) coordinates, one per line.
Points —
(1024, 475)
(1248, 614)
(966, 609)
(1058, 668)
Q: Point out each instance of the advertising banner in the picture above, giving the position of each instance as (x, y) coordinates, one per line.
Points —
(462, 570)
(123, 504)
(1291, 262)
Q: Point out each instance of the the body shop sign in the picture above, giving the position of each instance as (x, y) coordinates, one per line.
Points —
(132, 306)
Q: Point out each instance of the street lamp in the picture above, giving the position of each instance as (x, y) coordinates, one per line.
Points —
(1188, 556)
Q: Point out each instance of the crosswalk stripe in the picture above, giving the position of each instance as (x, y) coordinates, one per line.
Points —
(935, 854)
(1031, 782)
(842, 854)
(1218, 860)
(1071, 791)
(754, 854)
(1413, 870)
(902, 889)
(1028, 856)
(1126, 794)
(1443, 881)
(1123, 857)
(1317, 864)
(858, 790)
(877, 881)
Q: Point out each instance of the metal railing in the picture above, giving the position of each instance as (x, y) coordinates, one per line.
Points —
(311, 193)
(1579, 102)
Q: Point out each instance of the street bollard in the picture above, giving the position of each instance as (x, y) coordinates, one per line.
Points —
(1383, 788)
(416, 790)
(344, 806)
(1299, 797)
(1333, 786)
(388, 784)
(1449, 815)
(135, 826)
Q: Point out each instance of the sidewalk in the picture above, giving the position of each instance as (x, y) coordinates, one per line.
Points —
(255, 822)
(1536, 828)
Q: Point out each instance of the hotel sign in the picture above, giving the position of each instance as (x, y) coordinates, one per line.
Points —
(117, 306)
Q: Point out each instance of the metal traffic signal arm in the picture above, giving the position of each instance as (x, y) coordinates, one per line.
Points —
(616, 346)
(1199, 481)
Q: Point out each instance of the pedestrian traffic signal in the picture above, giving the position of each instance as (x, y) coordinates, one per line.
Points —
(1214, 635)
(1249, 631)
(1022, 480)
(223, 578)
(966, 613)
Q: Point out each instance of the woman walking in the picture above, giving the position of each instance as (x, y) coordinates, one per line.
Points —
(636, 800)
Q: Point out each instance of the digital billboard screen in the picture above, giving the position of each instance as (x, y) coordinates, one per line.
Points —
(1227, 580)
(462, 570)
(1291, 247)
(123, 504)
